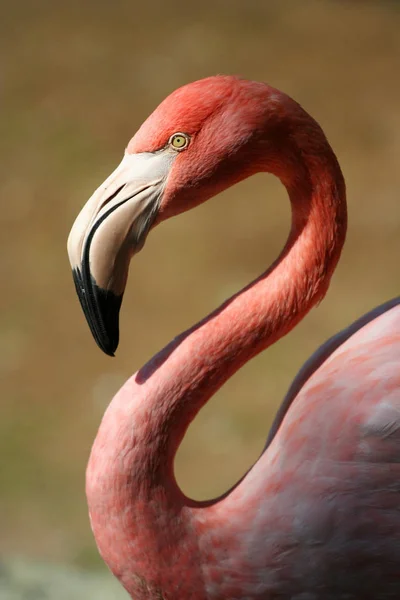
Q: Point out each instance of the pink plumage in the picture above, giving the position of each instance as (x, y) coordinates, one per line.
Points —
(317, 517)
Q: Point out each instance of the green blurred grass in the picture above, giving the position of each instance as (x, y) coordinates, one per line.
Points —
(77, 79)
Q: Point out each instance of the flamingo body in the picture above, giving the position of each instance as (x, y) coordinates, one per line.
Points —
(317, 517)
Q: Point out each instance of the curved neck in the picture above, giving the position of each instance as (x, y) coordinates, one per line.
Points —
(185, 374)
(165, 395)
(131, 489)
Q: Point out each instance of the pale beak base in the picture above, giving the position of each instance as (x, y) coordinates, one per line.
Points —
(109, 230)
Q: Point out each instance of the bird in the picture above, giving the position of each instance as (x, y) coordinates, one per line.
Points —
(317, 516)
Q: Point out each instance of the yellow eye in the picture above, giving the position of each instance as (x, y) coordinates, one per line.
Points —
(179, 141)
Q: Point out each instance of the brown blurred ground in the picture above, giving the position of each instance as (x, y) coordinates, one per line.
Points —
(77, 79)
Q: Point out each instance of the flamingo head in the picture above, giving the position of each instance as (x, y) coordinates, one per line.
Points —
(201, 139)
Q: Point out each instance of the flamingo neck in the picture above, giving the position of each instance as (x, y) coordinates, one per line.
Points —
(130, 477)
(174, 385)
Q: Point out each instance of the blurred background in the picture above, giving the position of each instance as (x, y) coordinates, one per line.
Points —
(77, 79)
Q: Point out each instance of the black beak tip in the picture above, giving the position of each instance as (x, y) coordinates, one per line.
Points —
(106, 347)
(107, 350)
(101, 308)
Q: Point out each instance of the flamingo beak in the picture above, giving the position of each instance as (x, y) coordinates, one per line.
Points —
(109, 230)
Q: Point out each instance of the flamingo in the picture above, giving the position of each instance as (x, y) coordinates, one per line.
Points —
(317, 517)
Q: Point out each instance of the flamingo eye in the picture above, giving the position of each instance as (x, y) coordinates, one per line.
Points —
(179, 141)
